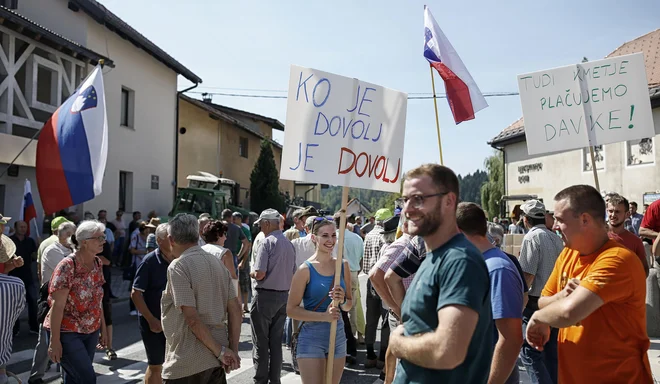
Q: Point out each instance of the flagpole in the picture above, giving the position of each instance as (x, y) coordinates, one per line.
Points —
(437, 121)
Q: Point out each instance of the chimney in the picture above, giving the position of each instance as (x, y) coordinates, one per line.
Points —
(207, 97)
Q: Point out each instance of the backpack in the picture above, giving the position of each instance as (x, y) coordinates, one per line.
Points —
(42, 302)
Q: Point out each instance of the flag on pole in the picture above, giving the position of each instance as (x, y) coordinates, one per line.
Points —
(465, 98)
(73, 148)
(28, 211)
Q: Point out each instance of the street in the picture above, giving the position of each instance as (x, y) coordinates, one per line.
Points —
(131, 362)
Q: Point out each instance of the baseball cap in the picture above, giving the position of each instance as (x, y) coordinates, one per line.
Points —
(204, 216)
(383, 214)
(309, 222)
(56, 222)
(268, 214)
(534, 209)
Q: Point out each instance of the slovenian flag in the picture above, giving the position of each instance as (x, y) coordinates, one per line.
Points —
(465, 98)
(28, 211)
(73, 148)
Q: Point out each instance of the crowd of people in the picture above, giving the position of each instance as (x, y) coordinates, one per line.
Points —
(450, 304)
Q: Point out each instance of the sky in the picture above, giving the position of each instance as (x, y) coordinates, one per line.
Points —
(245, 46)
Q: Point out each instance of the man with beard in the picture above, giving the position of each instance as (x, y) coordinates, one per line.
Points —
(448, 320)
(596, 295)
(618, 211)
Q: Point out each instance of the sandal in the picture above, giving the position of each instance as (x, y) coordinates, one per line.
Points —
(111, 354)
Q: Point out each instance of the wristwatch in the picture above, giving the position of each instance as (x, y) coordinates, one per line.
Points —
(222, 353)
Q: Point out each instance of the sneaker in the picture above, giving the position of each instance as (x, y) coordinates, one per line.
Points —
(351, 360)
(371, 363)
(133, 313)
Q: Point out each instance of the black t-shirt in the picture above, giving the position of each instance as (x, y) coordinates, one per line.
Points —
(24, 248)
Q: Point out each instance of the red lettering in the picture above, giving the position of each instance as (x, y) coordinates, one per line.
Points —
(341, 157)
(366, 164)
(376, 165)
(381, 160)
(398, 169)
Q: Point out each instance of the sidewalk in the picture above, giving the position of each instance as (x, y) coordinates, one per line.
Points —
(654, 358)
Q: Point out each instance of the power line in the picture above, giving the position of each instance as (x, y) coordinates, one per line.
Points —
(258, 96)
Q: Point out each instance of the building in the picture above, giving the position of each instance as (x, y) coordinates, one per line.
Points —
(357, 208)
(628, 168)
(225, 142)
(49, 47)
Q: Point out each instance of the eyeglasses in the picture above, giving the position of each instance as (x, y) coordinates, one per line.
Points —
(320, 220)
(417, 201)
(99, 238)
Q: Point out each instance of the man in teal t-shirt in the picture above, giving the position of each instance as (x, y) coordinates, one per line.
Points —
(447, 331)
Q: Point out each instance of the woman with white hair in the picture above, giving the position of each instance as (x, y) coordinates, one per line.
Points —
(76, 313)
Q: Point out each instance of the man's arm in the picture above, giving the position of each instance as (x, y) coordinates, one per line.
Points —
(570, 310)
(397, 290)
(235, 317)
(200, 330)
(647, 233)
(261, 262)
(529, 278)
(444, 348)
(506, 352)
(245, 248)
(377, 278)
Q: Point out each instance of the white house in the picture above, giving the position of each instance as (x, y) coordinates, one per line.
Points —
(629, 168)
(48, 48)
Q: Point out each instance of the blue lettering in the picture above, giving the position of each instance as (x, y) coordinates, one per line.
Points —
(303, 84)
(353, 129)
(338, 126)
(316, 128)
(326, 95)
(380, 130)
(364, 98)
(299, 157)
(357, 97)
(307, 156)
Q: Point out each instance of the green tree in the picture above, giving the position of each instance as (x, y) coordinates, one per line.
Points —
(493, 189)
(264, 182)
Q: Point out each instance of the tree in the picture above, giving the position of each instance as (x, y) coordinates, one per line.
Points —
(470, 186)
(493, 190)
(264, 182)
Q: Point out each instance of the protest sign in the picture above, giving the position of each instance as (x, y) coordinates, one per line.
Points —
(588, 104)
(343, 131)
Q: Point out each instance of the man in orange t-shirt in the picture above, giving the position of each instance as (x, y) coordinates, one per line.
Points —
(596, 296)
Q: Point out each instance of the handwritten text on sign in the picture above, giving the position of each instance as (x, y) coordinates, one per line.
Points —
(343, 131)
(593, 103)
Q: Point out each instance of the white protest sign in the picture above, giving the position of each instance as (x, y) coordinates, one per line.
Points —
(588, 104)
(343, 131)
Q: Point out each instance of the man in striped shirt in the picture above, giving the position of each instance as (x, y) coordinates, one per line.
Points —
(12, 303)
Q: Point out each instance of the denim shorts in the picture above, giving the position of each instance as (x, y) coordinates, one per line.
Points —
(314, 338)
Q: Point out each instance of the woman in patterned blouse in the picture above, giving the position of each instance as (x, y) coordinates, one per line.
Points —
(76, 315)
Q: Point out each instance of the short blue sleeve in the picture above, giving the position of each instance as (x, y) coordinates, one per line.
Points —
(506, 294)
(141, 281)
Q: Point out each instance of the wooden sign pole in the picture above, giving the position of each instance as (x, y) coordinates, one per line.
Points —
(340, 252)
(593, 167)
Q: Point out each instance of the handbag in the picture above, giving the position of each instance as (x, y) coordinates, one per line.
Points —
(294, 339)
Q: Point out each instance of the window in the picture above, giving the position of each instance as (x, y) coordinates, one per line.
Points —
(640, 151)
(243, 147)
(127, 107)
(125, 191)
(599, 156)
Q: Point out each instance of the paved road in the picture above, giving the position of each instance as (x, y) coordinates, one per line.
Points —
(131, 362)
